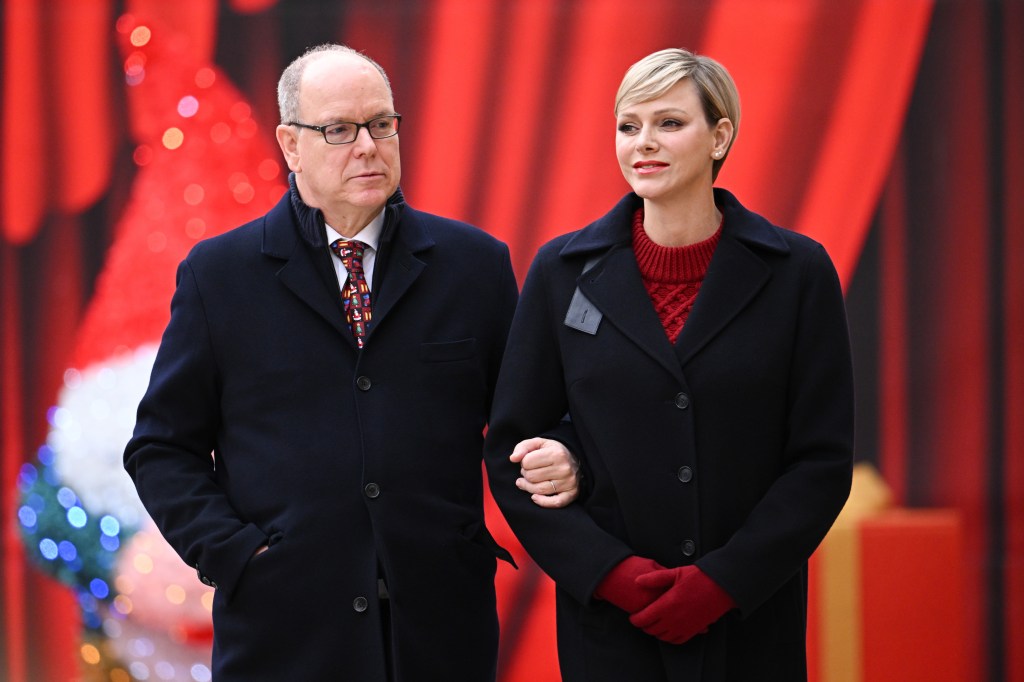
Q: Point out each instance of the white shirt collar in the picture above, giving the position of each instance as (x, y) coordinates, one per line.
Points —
(369, 235)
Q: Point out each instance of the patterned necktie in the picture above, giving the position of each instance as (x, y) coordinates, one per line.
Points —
(356, 293)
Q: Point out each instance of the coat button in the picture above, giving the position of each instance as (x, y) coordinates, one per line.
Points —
(359, 604)
(689, 548)
(364, 383)
(372, 490)
(682, 401)
(685, 474)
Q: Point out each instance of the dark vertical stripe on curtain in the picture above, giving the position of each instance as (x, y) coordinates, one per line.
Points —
(865, 322)
(13, 647)
(893, 407)
(996, 352)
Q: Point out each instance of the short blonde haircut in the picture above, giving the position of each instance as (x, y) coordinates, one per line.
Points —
(655, 74)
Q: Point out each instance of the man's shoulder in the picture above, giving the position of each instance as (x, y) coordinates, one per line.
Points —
(232, 243)
(444, 229)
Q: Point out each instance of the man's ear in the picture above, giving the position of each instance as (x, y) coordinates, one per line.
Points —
(288, 140)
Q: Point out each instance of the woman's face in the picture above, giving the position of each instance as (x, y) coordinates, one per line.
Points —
(666, 146)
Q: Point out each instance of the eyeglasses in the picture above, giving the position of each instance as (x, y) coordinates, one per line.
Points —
(345, 132)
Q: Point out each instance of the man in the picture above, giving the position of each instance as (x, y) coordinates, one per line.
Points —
(342, 388)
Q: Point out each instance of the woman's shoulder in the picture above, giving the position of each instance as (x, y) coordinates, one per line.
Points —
(554, 246)
(754, 228)
(611, 229)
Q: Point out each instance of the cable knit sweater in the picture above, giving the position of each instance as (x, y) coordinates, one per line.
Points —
(672, 274)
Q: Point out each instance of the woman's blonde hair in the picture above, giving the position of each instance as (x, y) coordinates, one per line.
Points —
(655, 74)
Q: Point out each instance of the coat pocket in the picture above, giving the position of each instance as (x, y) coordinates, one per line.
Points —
(449, 351)
(477, 535)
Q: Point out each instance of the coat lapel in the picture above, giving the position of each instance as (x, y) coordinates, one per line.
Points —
(315, 284)
(615, 287)
(736, 274)
(398, 265)
(734, 277)
(299, 272)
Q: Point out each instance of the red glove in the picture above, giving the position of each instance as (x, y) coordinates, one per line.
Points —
(620, 587)
(690, 603)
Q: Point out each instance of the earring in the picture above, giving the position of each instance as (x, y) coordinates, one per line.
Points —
(717, 154)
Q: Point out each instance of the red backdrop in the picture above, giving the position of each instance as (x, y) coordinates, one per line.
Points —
(883, 129)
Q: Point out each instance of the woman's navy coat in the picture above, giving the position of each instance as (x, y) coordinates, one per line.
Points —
(731, 449)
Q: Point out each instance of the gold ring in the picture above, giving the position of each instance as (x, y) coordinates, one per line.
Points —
(554, 489)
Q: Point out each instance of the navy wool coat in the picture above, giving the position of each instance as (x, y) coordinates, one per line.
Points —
(349, 464)
(731, 449)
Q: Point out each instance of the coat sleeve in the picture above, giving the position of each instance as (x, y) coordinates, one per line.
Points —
(530, 400)
(792, 518)
(170, 455)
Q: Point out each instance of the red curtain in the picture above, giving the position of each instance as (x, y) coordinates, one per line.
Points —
(938, 322)
(1011, 398)
(884, 130)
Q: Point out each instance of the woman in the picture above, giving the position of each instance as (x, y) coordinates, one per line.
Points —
(703, 357)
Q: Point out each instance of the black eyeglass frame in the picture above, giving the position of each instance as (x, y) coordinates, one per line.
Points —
(323, 129)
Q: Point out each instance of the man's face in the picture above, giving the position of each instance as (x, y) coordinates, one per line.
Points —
(351, 182)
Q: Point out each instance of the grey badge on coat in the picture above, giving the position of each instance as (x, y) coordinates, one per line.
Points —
(582, 314)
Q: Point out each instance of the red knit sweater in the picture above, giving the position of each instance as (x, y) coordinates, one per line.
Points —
(672, 274)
